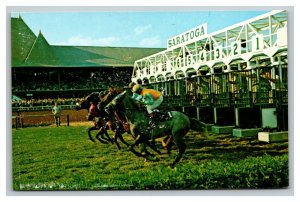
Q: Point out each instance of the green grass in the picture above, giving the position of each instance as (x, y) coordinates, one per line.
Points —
(50, 158)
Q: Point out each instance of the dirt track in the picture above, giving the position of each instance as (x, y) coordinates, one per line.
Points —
(36, 118)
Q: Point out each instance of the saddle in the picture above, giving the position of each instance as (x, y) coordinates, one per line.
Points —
(159, 116)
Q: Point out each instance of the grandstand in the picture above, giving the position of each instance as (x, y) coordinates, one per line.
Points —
(43, 71)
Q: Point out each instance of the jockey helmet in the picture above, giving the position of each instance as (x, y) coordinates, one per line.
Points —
(131, 85)
(136, 88)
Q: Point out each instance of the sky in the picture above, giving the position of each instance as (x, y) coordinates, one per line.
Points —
(126, 29)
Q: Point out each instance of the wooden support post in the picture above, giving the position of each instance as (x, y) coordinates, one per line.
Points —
(68, 120)
(16, 122)
(22, 122)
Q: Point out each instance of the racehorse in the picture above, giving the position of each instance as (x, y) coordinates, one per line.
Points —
(115, 121)
(99, 122)
(176, 126)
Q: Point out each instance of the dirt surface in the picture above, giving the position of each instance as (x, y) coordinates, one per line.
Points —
(36, 118)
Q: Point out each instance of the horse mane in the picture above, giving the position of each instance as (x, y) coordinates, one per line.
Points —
(109, 97)
(90, 95)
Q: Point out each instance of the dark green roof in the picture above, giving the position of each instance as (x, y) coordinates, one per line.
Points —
(22, 39)
(41, 54)
(37, 52)
(100, 56)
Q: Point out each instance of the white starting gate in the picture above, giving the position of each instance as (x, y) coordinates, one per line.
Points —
(249, 43)
(243, 65)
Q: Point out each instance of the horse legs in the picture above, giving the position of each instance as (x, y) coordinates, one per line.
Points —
(137, 141)
(115, 139)
(107, 138)
(169, 144)
(181, 148)
(144, 153)
(153, 147)
(101, 131)
(89, 133)
(118, 134)
(149, 156)
(122, 139)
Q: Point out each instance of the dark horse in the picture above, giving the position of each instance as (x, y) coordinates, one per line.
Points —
(101, 121)
(177, 126)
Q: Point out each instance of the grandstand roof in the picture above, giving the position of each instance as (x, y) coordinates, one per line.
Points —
(70, 56)
(29, 50)
(22, 39)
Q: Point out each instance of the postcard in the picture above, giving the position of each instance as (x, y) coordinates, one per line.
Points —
(156, 100)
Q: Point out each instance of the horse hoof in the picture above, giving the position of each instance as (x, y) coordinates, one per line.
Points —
(172, 166)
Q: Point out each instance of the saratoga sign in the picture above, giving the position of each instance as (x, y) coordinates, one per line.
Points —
(187, 37)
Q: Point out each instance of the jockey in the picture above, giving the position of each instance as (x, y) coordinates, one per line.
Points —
(149, 97)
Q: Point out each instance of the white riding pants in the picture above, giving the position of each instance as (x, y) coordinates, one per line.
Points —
(155, 104)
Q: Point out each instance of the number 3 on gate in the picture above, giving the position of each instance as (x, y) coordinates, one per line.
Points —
(218, 52)
(236, 48)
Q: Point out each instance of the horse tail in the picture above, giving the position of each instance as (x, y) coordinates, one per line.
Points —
(197, 125)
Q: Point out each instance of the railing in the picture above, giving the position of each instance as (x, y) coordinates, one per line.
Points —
(40, 108)
(227, 99)
(18, 120)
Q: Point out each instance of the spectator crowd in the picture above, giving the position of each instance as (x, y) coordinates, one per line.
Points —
(31, 80)
(26, 81)
(45, 102)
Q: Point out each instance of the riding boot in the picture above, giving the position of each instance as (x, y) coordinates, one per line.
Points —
(151, 124)
(151, 127)
(151, 119)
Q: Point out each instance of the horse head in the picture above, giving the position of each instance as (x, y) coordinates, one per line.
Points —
(87, 101)
(82, 105)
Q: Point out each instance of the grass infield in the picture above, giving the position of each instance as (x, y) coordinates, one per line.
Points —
(63, 158)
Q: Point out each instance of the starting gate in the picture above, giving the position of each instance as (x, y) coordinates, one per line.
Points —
(234, 76)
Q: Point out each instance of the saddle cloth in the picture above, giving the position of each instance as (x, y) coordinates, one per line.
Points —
(161, 116)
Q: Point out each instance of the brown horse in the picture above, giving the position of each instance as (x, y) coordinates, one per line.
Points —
(101, 121)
